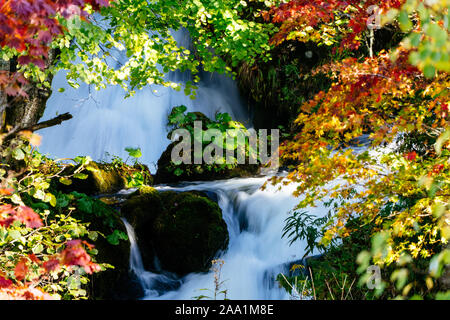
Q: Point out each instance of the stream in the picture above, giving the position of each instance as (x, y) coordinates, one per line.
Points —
(105, 123)
(256, 253)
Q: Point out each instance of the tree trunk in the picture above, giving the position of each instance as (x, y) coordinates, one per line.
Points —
(4, 66)
(23, 112)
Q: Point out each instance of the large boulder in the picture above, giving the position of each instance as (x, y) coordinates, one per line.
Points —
(185, 230)
(168, 172)
(189, 232)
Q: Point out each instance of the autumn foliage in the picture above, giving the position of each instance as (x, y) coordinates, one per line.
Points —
(25, 284)
(299, 15)
(27, 30)
(377, 141)
(28, 27)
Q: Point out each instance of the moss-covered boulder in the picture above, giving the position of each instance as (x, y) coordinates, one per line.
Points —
(141, 210)
(168, 172)
(185, 230)
(105, 178)
(101, 179)
(188, 234)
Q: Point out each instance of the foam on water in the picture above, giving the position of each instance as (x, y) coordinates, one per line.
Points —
(256, 251)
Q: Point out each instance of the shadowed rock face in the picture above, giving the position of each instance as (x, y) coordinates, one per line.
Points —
(184, 230)
(192, 172)
(117, 283)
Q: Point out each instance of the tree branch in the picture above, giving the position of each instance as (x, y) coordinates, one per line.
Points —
(49, 123)
(42, 125)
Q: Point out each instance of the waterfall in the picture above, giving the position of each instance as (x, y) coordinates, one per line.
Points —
(256, 251)
(151, 282)
(105, 122)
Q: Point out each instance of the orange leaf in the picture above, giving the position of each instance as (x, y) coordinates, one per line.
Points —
(21, 269)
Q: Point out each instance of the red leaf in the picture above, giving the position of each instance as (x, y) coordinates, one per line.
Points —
(51, 265)
(5, 283)
(30, 218)
(76, 255)
(34, 258)
(6, 191)
(411, 156)
(21, 269)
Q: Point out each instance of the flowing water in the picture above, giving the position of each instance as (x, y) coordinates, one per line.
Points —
(104, 122)
(256, 251)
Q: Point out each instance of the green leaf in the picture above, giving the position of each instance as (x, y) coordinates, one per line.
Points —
(405, 22)
(134, 152)
(116, 236)
(65, 181)
(80, 176)
(14, 234)
(178, 172)
(429, 71)
(18, 154)
(52, 199)
(93, 235)
(38, 248)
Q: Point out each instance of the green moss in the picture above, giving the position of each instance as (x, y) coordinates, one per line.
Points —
(142, 207)
(144, 190)
(185, 230)
(190, 232)
(105, 179)
(101, 179)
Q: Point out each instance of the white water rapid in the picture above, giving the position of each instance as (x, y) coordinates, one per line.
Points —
(256, 251)
(105, 122)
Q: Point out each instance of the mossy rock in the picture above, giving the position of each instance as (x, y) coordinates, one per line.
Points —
(101, 179)
(142, 207)
(185, 230)
(193, 172)
(141, 210)
(189, 232)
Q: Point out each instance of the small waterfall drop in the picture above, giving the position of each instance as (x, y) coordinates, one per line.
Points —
(256, 251)
(105, 122)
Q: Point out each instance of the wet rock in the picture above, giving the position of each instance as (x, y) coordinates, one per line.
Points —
(169, 173)
(101, 179)
(185, 230)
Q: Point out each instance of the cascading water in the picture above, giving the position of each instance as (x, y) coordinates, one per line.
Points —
(256, 251)
(104, 122)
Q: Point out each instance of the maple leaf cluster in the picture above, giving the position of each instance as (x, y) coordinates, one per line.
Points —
(382, 97)
(299, 14)
(375, 95)
(26, 215)
(29, 27)
(74, 254)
